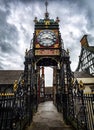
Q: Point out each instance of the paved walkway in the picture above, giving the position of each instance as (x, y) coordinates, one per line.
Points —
(47, 118)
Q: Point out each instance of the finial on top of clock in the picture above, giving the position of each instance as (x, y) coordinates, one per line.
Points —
(46, 14)
(35, 20)
(57, 19)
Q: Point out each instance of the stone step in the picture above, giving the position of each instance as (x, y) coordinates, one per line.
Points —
(48, 118)
(44, 126)
(60, 128)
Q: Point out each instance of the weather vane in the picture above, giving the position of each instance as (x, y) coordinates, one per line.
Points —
(46, 14)
(46, 4)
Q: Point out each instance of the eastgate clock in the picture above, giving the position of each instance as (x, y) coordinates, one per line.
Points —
(46, 38)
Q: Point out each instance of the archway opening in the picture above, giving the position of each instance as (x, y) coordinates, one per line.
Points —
(45, 81)
(48, 83)
(48, 76)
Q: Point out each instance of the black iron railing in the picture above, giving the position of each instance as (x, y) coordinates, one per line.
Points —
(16, 109)
(79, 113)
(83, 108)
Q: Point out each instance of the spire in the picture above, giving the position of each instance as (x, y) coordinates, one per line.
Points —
(46, 14)
(46, 4)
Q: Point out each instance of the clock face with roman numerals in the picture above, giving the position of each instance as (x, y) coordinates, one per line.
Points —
(46, 38)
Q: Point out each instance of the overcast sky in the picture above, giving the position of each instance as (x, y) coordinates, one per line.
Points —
(17, 27)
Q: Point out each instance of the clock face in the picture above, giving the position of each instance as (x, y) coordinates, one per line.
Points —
(46, 38)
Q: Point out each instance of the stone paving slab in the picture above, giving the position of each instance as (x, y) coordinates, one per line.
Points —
(48, 118)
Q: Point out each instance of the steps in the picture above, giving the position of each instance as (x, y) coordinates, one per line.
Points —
(44, 126)
(48, 118)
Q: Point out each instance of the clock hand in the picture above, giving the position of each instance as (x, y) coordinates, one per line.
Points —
(46, 38)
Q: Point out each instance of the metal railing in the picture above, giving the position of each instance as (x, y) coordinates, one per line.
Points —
(6, 112)
(81, 114)
(83, 108)
(16, 109)
(89, 104)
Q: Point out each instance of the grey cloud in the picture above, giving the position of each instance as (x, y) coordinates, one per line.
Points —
(8, 32)
(8, 37)
(1, 67)
(7, 47)
(25, 1)
(90, 39)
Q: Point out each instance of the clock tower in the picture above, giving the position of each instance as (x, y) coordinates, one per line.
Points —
(47, 39)
(47, 45)
(47, 50)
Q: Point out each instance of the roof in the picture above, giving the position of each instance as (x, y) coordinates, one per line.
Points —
(82, 74)
(90, 48)
(9, 76)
